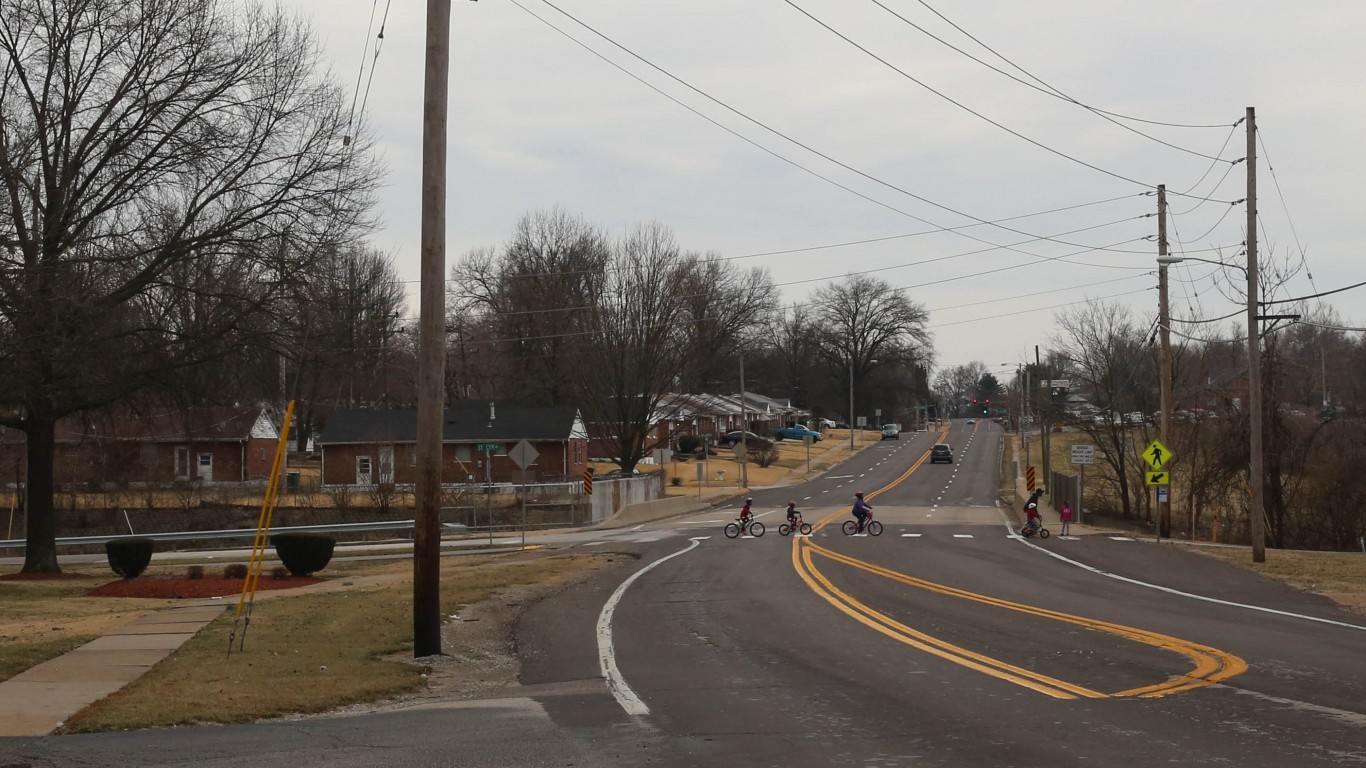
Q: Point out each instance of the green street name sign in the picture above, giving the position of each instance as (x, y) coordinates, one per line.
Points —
(494, 447)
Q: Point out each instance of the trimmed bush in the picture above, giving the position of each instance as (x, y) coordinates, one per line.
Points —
(235, 571)
(304, 554)
(129, 557)
(279, 572)
(194, 572)
(689, 443)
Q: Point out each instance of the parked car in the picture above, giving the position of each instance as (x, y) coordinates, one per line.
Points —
(796, 432)
(619, 472)
(891, 432)
(751, 439)
(1133, 417)
(941, 453)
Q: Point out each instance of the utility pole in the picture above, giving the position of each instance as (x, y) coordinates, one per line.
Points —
(744, 429)
(431, 337)
(851, 397)
(1164, 521)
(1043, 419)
(1256, 478)
(1028, 421)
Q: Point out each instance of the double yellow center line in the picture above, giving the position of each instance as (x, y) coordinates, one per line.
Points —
(1210, 664)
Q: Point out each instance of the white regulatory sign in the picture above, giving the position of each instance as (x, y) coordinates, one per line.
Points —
(1083, 454)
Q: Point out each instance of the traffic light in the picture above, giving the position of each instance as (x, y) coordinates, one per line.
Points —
(986, 406)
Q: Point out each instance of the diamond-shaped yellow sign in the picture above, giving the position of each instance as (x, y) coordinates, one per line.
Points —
(1156, 455)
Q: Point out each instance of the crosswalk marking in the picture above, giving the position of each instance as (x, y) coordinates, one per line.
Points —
(1120, 538)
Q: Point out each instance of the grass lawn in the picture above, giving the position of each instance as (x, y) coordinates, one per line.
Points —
(314, 651)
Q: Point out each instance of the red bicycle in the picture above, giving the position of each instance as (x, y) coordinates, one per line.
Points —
(797, 524)
(871, 526)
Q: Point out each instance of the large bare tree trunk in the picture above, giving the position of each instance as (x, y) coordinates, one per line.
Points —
(40, 546)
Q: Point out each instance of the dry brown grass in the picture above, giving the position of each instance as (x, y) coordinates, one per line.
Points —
(44, 619)
(313, 651)
(1337, 575)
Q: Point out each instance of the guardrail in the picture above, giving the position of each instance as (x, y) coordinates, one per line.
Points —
(386, 525)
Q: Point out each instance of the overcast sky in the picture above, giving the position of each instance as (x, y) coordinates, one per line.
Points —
(820, 137)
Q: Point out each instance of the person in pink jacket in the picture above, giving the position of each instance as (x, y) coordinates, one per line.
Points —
(1065, 514)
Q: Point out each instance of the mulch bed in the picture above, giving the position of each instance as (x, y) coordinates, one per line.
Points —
(181, 587)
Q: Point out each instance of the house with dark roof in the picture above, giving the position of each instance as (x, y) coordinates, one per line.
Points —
(379, 447)
(211, 445)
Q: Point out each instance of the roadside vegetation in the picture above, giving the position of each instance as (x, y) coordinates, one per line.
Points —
(318, 649)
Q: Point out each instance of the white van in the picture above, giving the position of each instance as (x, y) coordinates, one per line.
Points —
(824, 424)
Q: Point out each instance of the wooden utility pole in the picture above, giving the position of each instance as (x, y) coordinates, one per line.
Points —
(431, 337)
(744, 430)
(1256, 479)
(1164, 520)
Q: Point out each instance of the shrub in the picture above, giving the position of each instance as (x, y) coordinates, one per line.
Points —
(763, 456)
(676, 480)
(194, 572)
(129, 557)
(279, 572)
(689, 443)
(235, 571)
(304, 553)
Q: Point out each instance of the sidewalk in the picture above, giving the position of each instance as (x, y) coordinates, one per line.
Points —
(36, 702)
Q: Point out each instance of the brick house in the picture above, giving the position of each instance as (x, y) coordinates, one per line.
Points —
(205, 445)
(374, 447)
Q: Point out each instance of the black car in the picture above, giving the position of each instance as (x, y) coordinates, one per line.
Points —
(751, 440)
(941, 452)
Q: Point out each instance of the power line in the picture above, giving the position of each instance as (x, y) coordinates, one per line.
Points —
(770, 129)
(998, 55)
(963, 106)
(1039, 309)
(1313, 296)
(1047, 90)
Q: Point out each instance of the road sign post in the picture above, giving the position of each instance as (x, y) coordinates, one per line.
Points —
(1157, 456)
(1082, 455)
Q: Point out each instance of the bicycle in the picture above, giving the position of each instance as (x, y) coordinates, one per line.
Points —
(751, 526)
(798, 525)
(871, 526)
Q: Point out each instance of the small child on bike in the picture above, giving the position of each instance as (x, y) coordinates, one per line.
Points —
(745, 514)
(792, 514)
(1033, 520)
(861, 510)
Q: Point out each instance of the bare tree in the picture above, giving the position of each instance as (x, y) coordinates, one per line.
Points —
(532, 297)
(790, 340)
(1105, 348)
(863, 323)
(153, 156)
(723, 306)
(633, 349)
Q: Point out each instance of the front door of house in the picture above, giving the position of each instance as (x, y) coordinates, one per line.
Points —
(182, 462)
(205, 470)
(386, 464)
(363, 473)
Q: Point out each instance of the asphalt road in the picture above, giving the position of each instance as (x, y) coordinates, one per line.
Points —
(946, 641)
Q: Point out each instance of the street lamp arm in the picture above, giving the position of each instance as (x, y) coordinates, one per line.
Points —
(1165, 260)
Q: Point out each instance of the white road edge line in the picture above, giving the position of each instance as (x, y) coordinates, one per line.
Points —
(1171, 591)
(607, 659)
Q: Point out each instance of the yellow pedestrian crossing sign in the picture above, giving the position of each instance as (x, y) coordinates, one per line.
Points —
(1156, 455)
(1158, 478)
